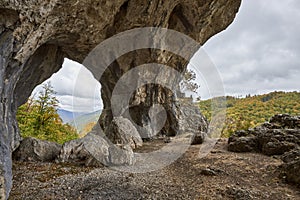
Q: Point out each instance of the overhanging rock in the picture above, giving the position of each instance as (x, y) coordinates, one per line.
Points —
(36, 35)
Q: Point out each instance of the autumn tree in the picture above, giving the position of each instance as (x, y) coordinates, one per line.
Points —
(187, 82)
(39, 118)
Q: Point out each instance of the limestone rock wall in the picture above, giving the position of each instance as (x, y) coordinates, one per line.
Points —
(35, 36)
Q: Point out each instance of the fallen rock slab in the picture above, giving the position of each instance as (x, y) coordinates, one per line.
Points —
(94, 150)
(32, 149)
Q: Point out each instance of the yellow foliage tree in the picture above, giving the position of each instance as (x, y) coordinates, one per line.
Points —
(39, 118)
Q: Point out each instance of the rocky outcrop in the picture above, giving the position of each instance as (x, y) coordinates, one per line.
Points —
(241, 143)
(277, 142)
(32, 149)
(280, 136)
(276, 137)
(191, 120)
(284, 121)
(36, 35)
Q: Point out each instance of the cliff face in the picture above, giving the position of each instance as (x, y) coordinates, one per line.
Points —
(36, 35)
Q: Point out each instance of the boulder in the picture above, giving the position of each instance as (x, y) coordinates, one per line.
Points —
(291, 171)
(122, 132)
(121, 155)
(190, 118)
(32, 149)
(243, 144)
(198, 138)
(243, 141)
(94, 150)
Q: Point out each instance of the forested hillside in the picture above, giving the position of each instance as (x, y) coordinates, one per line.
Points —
(248, 112)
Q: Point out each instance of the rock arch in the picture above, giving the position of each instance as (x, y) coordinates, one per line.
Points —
(36, 35)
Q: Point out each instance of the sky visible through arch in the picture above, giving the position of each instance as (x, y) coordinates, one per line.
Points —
(258, 53)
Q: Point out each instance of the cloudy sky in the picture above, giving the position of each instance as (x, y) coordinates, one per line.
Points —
(76, 89)
(258, 53)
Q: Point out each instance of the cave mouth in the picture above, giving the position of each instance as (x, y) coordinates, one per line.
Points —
(68, 102)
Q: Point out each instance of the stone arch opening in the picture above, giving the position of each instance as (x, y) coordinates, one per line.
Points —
(36, 36)
(80, 107)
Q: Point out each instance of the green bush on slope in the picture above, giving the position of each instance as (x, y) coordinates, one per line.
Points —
(244, 113)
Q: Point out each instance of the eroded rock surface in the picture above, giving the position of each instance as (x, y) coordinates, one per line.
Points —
(32, 149)
(35, 36)
(291, 171)
(276, 137)
(121, 131)
(280, 136)
(190, 118)
(94, 150)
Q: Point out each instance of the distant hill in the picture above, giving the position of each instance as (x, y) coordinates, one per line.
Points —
(84, 123)
(248, 112)
(68, 116)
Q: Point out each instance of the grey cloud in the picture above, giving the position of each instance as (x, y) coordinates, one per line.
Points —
(76, 89)
(260, 51)
(80, 104)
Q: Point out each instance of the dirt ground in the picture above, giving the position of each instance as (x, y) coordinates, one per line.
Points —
(220, 175)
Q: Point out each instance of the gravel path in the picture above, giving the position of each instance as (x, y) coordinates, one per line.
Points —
(220, 175)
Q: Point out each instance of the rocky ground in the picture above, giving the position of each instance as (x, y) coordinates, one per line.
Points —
(220, 175)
